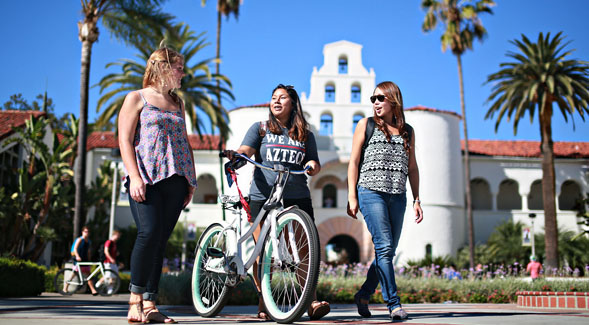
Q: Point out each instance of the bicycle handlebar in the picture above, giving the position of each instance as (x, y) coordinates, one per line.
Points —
(276, 168)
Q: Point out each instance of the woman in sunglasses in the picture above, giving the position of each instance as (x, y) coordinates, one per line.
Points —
(283, 139)
(377, 174)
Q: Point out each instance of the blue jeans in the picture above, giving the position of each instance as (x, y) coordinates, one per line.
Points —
(155, 219)
(383, 214)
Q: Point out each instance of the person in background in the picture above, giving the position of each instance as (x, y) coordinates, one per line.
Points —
(161, 177)
(376, 187)
(534, 268)
(81, 253)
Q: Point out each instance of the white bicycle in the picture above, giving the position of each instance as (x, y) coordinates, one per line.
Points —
(288, 251)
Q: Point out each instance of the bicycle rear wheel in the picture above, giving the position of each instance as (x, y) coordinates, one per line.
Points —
(288, 286)
(67, 282)
(209, 292)
(108, 284)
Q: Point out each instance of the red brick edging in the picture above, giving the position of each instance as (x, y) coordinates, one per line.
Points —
(548, 299)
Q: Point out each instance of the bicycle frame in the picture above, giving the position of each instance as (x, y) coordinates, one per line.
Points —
(274, 208)
(79, 265)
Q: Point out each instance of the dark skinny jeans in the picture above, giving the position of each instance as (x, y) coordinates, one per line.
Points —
(155, 219)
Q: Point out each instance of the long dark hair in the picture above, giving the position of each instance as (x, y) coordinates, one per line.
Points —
(298, 128)
(393, 95)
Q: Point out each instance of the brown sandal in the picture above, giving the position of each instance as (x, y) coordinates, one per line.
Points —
(139, 306)
(318, 309)
(154, 316)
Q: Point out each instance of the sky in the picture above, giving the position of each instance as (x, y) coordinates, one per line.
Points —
(276, 41)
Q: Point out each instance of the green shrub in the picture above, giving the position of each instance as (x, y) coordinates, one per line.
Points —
(49, 276)
(125, 281)
(174, 289)
(21, 278)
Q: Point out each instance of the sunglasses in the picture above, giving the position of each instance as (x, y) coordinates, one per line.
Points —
(379, 97)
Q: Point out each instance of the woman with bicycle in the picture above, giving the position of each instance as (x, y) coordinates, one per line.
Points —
(283, 139)
(161, 176)
(379, 166)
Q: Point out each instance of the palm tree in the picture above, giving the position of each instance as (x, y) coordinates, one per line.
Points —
(224, 8)
(540, 76)
(462, 26)
(122, 18)
(198, 86)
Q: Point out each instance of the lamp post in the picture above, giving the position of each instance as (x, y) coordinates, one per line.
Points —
(116, 154)
(532, 217)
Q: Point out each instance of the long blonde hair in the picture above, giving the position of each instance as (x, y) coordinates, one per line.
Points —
(158, 69)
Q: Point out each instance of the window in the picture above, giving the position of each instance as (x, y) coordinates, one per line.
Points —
(356, 94)
(330, 93)
(481, 194)
(508, 197)
(570, 194)
(343, 65)
(8, 166)
(329, 197)
(535, 201)
(326, 125)
(357, 117)
(206, 192)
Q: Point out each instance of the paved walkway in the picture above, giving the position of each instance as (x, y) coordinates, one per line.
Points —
(85, 309)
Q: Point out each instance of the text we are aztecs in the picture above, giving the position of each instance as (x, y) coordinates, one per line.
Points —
(277, 150)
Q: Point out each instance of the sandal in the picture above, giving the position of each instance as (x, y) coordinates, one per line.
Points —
(154, 316)
(139, 306)
(318, 309)
(263, 315)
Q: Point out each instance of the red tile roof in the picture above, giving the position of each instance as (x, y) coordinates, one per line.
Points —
(435, 110)
(13, 119)
(107, 139)
(525, 148)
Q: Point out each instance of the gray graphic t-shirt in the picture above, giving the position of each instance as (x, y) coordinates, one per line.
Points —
(279, 149)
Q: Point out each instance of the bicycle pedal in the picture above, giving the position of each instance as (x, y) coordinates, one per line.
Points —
(215, 252)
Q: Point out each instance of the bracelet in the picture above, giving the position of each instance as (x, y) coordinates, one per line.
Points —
(417, 201)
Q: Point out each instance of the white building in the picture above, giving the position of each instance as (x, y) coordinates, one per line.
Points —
(506, 175)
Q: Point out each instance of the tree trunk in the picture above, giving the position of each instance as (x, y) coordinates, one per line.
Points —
(42, 217)
(469, 218)
(80, 169)
(548, 188)
(218, 71)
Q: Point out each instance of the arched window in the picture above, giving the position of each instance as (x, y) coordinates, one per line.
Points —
(326, 124)
(508, 197)
(535, 201)
(329, 197)
(343, 65)
(342, 249)
(330, 93)
(357, 117)
(481, 194)
(570, 194)
(356, 93)
(206, 192)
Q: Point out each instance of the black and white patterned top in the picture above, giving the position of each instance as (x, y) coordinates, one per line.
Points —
(386, 164)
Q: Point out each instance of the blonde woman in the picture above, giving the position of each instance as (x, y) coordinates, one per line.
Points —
(161, 176)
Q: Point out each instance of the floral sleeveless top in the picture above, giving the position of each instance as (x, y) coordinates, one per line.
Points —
(161, 145)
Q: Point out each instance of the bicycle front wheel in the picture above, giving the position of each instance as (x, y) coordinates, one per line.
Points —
(108, 284)
(67, 282)
(209, 292)
(289, 282)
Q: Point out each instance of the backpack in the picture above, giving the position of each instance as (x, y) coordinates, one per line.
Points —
(370, 130)
(101, 254)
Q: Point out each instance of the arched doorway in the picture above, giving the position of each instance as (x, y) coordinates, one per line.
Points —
(342, 249)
